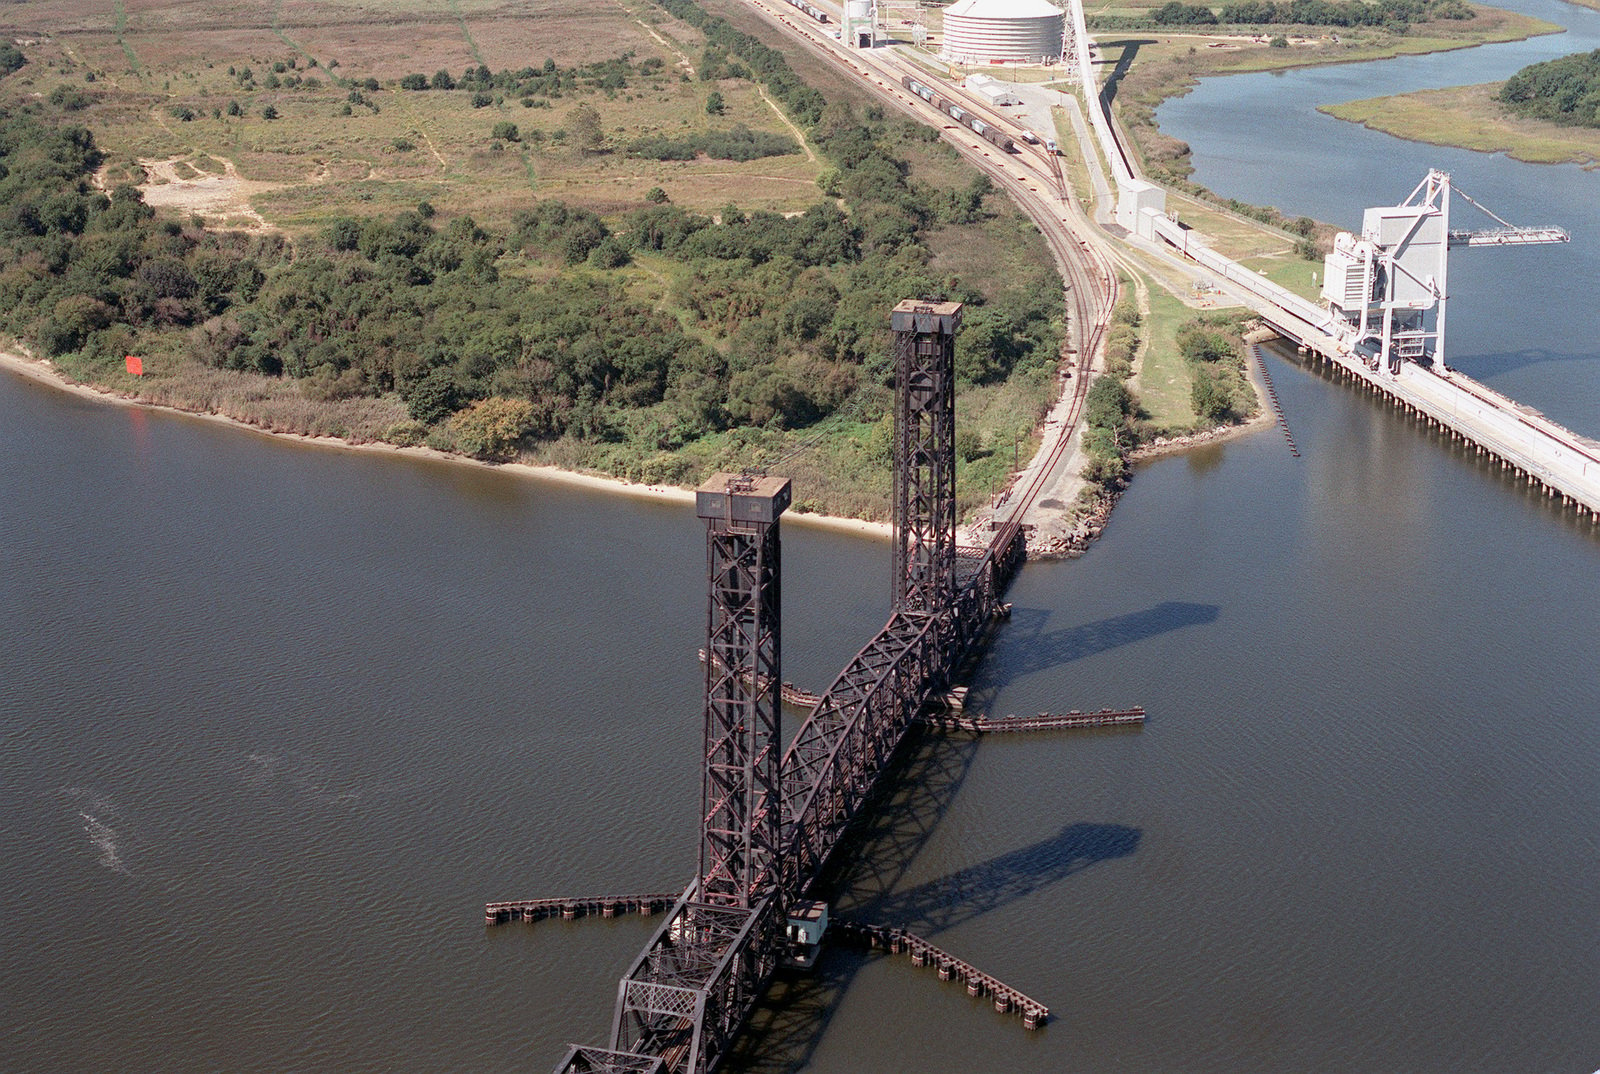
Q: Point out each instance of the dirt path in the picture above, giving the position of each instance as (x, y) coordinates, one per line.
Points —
(422, 132)
(801, 138)
(683, 58)
(224, 200)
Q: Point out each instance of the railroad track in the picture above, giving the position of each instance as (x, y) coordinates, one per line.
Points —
(1033, 179)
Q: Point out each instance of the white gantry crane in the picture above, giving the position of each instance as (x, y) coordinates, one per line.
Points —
(1389, 286)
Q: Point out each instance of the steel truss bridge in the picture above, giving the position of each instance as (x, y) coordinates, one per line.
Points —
(770, 824)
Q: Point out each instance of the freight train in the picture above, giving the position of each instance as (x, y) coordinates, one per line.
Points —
(981, 128)
(815, 12)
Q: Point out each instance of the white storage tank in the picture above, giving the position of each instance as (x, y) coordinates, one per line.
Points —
(1002, 31)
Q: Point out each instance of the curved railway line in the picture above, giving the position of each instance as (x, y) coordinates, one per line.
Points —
(1033, 179)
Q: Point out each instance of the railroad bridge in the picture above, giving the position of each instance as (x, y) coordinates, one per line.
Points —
(771, 818)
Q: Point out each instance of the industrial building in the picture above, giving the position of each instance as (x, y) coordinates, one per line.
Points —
(992, 90)
(1002, 31)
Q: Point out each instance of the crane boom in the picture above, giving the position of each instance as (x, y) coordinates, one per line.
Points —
(1509, 236)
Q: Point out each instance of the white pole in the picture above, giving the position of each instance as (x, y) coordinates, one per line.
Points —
(1444, 268)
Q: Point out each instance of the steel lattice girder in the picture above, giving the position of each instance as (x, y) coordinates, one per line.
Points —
(688, 994)
(832, 766)
(581, 1060)
(840, 750)
(740, 819)
(924, 460)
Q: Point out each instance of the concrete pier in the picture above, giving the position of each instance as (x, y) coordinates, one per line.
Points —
(1564, 463)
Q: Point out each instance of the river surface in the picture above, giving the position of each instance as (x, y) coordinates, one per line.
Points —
(276, 720)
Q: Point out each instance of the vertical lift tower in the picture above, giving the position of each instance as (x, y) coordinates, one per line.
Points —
(925, 470)
(688, 993)
(1388, 288)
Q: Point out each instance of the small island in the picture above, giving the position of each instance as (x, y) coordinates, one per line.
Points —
(1547, 113)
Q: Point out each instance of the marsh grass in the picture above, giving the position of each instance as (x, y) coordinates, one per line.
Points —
(1469, 117)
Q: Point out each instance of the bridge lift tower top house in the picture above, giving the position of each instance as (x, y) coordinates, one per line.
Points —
(1388, 288)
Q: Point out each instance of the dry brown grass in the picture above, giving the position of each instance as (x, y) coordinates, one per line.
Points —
(321, 164)
(279, 406)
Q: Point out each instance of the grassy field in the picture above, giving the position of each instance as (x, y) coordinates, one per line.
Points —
(1164, 377)
(137, 70)
(1469, 117)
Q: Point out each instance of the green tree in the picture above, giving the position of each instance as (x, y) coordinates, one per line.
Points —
(1210, 397)
(491, 428)
(583, 124)
(11, 58)
(714, 104)
(505, 131)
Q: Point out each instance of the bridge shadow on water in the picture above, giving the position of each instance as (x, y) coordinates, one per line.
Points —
(867, 878)
(866, 881)
(1030, 649)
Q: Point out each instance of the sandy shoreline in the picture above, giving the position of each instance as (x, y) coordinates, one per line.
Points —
(44, 372)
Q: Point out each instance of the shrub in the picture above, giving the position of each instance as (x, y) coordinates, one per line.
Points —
(11, 58)
(610, 254)
(491, 428)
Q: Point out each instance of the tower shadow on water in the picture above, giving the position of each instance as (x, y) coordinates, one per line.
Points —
(866, 881)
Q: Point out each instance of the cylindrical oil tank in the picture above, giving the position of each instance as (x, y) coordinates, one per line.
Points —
(1002, 31)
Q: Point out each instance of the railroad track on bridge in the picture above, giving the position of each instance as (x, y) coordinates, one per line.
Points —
(770, 823)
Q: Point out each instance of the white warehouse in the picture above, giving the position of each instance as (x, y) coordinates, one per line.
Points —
(992, 90)
(1002, 31)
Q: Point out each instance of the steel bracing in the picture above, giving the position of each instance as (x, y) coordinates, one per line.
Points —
(691, 990)
(769, 826)
(739, 821)
(924, 455)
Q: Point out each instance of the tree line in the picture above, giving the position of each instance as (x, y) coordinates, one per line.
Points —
(1564, 90)
(499, 338)
(1392, 14)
